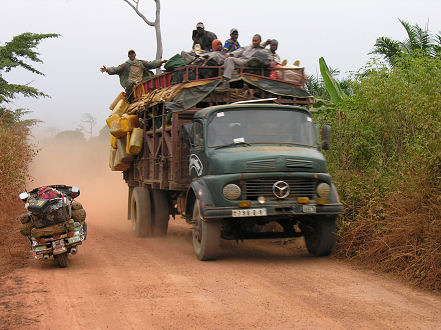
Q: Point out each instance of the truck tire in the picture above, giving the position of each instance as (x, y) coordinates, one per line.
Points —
(141, 212)
(206, 236)
(320, 236)
(61, 260)
(160, 212)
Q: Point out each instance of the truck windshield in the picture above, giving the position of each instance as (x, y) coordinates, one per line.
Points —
(260, 126)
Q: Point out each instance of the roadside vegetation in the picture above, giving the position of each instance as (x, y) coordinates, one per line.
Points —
(385, 158)
(16, 148)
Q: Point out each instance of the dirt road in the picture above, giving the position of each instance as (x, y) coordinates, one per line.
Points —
(117, 281)
(120, 282)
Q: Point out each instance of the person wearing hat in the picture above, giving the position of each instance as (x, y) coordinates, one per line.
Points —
(232, 44)
(202, 37)
(132, 72)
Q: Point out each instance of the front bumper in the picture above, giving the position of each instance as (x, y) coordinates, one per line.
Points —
(272, 211)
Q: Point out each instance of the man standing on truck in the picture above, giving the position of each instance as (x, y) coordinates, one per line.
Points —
(132, 72)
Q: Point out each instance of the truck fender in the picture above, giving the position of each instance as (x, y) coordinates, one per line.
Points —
(198, 191)
(333, 197)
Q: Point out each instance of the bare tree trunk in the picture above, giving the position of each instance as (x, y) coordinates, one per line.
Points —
(156, 23)
(158, 31)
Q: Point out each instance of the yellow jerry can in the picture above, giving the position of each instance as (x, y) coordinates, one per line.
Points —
(117, 99)
(118, 164)
(121, 107)
(116, 130)
(136, 139)
(122, 153)
(111, 119)
(112, 155)
(129, 122)
(112, 141)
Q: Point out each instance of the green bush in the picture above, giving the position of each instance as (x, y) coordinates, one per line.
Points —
(386, 162)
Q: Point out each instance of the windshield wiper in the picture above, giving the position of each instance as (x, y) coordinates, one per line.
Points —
(243, 144)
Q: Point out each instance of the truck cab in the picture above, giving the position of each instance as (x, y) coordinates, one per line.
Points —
(254, 164)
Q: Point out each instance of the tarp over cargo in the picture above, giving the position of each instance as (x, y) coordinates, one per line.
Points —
(186, 95)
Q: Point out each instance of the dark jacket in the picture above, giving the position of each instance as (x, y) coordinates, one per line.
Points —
(205, 40)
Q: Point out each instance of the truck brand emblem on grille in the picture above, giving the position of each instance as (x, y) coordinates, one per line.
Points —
(281, 189)
(196, 163)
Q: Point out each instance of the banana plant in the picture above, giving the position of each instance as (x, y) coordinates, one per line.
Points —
(332, 86)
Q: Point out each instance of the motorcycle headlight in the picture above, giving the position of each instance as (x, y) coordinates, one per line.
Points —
(323, 190)
(232, 191)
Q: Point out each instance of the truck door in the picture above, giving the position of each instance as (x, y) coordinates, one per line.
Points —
(197, 166)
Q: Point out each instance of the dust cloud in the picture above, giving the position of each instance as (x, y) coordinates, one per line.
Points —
(72, 161)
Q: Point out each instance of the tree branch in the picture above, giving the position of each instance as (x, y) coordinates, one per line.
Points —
(135, 8)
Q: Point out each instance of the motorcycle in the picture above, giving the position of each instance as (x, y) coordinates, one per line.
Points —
(55, 223)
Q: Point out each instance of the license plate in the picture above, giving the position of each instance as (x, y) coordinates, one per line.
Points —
(74, 239)
(249, 213)
(309, 209)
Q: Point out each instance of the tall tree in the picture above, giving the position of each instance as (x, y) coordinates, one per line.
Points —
(419, 41)
(13, 55)
(87, 124)
(156, 23)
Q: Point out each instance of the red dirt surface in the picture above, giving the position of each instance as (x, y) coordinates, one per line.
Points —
(118, 281)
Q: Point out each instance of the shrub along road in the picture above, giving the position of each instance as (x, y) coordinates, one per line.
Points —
(118, 281)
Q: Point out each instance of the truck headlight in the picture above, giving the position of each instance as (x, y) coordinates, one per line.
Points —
(232, 191)
(323, 190)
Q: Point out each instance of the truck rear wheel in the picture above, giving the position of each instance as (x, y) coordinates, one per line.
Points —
(206, 236)
(160, 212)
(320, 236)
(141, 212)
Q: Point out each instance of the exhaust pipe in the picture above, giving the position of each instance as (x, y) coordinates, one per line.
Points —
(46, 257)
(73, 250)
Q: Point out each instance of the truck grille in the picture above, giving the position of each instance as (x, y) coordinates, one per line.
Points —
(303, 187)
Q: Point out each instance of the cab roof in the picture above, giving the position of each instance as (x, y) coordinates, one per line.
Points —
(205, 113)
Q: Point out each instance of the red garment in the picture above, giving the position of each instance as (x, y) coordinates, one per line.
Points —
(48, 193)
(215, 43)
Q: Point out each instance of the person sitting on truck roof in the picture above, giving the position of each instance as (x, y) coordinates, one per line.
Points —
(232, 44)
(202, 37)
(132, 72)
(217, 55)
(214, 58)
(239, 57)
(274, 44)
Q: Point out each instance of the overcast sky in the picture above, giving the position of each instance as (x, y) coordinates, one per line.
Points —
(100, 32)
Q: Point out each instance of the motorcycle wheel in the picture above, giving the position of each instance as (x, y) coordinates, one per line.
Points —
(61, 260)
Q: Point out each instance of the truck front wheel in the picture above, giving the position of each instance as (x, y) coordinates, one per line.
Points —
(320, 235)
(141, 212)
(206, 236)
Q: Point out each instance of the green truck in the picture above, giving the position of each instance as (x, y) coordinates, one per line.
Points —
(245, 163)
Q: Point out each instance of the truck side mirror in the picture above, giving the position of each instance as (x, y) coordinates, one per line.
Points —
(326, 137)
